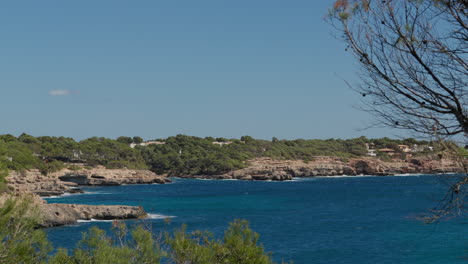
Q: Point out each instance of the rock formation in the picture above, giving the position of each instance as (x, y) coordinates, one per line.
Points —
(67, 181)
(63, 214)
(280, 170)
(102, 176)
(33, 183)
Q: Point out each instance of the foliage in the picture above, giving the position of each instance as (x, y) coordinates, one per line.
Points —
(99, 248)
(179, 155)
(20, 241)
(51, 166)
(110, 153)
(412, 56)
(239, 245)
(463, 152)
(413, 71)
(186, 155)
(48, 154)
(3, 174)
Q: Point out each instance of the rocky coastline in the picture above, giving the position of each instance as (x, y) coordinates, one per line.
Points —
(69, 181)
(63, 214)
(282, 170)
(33, 183)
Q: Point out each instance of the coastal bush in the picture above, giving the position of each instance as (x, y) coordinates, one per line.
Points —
(181, 154)
(18, 155)
(96, 247)
(3, 175)
(49, 167)
(21, 241)
(239, 245)
(463, 152)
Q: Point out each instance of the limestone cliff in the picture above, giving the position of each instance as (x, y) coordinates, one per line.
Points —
(63, 214)
(68, 181)
(280, 170)
(32, 183)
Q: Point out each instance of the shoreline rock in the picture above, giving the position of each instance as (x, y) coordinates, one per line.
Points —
(283, 170)
(68, 181)
(65, 214)
(34, 184)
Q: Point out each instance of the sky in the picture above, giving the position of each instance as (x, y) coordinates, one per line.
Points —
(263, 68)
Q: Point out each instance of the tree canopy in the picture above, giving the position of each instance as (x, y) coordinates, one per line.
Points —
(177, 155)
(413, 61)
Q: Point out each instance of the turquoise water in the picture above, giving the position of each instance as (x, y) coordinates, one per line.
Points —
(312, 220)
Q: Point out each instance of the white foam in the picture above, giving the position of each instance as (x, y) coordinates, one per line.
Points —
(70, 194)
(298, 179)
(411, 174)
(159, 216)
(62, 195)
(93, 220)
(347, 176)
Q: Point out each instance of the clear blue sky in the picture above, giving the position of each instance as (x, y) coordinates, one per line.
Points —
(262, 68)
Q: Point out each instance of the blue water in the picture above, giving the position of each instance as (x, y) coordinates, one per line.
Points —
(313, 220)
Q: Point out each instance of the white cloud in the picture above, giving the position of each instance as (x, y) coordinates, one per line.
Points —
(59, 92)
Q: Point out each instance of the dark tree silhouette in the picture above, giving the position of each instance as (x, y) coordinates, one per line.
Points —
(413, 70)
(412, 54)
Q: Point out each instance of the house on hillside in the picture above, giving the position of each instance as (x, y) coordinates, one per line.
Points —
(371, 149)
(219, 143)
(147, 143)
(388, 151)
(404, 148)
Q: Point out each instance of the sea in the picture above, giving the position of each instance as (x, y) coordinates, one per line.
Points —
(358, 219)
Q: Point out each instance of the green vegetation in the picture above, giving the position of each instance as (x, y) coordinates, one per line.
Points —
(178, 155)
(3, 174)
(463, 152)
(187, 155)
(23, 243)
(48, 154)
(239, 245)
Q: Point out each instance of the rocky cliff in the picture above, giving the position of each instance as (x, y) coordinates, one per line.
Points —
(280, 170)
(63, 214)
(35, 184)
(52, 214)
(32, 183)
(68, 181)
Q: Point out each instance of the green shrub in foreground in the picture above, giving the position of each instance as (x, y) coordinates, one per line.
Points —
(238, 246)
(22, 242)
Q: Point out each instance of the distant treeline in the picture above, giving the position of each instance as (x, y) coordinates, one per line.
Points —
(178, 155)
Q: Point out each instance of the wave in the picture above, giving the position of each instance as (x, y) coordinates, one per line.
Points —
(411, 174)
(93, 220)
(159, 216)
(62, 195)
(347, 176)
(300, 179)
(366, 176)
(72, 194)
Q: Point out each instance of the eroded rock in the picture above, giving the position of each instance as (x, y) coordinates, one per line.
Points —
(64, 214)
